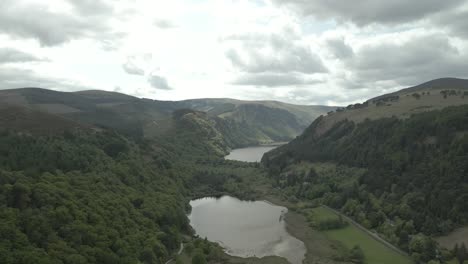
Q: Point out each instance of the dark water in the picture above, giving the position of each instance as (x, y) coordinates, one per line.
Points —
(250, 154)
(246, 229)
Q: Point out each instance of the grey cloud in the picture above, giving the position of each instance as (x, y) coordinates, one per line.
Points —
(10, 55)
(137, 63)
(368, 12)
(92, 7)
(19, 78)
(289, 61)
(296, 59)
(455, 22)
(286, 56)
(164, 24)
(21, 20)
(274, 80)
(159, 82)
(417, 60)
(339, 48)
(130, 68)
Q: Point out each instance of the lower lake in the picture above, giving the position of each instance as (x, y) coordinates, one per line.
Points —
(246, 229)
(250, 154)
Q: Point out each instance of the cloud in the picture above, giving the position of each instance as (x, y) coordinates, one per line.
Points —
(456, 23)
(339, 48)
(159, 82)
(10, 55)
(92, 7)
(368, 12)
(21, 20)
(19, 78)
(412, 61)
(274, 80)
(164, 24)
(271, 60)
(131, 67)
(138, 63)
(276, 54)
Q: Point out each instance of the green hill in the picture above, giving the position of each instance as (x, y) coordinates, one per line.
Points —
(413, 146)
(433, 95)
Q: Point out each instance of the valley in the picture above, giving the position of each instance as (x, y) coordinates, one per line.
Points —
(98, 177)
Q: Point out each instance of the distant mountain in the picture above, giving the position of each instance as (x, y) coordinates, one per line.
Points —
(242, 122)
(253, 122)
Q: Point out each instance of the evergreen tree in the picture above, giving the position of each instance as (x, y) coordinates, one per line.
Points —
(461, 254)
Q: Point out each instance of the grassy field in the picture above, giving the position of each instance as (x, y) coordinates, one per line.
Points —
(375, 252)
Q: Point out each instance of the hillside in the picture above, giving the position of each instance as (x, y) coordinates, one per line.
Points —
(413, 147)
(242, 122)
(259, 121)
(74, 193)
(433, 95)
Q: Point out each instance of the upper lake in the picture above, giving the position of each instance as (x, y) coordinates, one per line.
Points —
(250, 154)
(246, 229)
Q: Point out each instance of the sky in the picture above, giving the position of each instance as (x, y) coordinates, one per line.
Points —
(322, 52)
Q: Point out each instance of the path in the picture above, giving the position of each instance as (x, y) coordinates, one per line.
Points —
(178, 253)
(372, 234)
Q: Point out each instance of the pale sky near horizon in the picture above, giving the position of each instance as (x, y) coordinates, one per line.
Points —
(326, 52)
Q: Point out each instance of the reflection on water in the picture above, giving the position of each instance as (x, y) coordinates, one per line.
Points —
(250, 154)
(246, 229)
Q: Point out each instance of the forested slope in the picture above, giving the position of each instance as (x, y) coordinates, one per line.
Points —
(415, 180)
(71, 192)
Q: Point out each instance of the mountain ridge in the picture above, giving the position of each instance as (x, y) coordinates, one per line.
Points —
(246, 122)
(432, 95)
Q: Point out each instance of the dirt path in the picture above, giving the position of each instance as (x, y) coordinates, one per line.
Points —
(178, 253)
(370, 233)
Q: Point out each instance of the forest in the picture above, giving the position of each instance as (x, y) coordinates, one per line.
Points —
(405, 178)
(82, 196)
(85, 198)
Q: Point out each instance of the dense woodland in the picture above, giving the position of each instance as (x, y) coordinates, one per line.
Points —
(81, 198)
(99, 197)
(415, 179)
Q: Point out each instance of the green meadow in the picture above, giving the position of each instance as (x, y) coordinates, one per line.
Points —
(350, 236)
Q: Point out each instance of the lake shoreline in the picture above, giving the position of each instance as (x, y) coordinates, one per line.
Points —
(251, 154)
(317, 245)
(285, 218)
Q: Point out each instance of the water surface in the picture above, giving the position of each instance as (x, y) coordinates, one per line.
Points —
(246, 229)
(250, 154)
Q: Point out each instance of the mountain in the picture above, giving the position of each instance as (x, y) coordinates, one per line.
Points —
(433, 95)
(243, 122)
(258, 121)
(413, 148)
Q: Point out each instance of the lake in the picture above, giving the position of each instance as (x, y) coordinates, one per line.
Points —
(250, 154)
(246, 229)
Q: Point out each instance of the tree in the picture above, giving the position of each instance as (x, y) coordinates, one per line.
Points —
(20, 195)
(356, 255)
(199, 258)
(461, 254)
